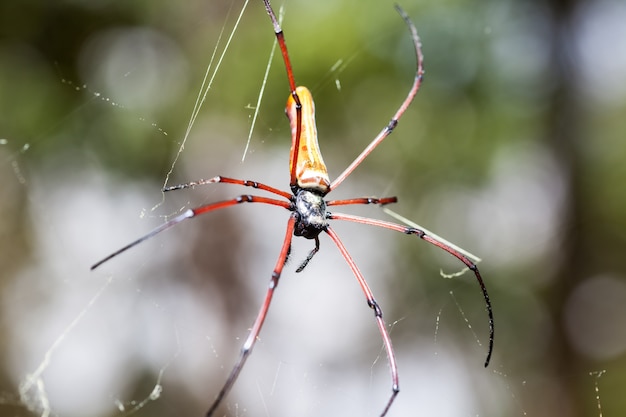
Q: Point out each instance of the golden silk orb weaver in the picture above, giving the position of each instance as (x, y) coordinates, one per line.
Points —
(308, 209)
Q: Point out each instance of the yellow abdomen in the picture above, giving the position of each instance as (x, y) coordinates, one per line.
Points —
(311, 172)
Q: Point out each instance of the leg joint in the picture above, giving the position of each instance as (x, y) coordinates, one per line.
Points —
(245, 198)
(414, 231)
(378, 312)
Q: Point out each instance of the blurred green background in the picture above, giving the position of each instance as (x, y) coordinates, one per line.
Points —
(514, 149)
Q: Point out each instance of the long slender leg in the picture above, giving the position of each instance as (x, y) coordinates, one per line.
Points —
(226, 180)
(363, 200)
(188, 214)
(280, 38)
(371, 302)
(246, 349)
(419, 74)
(420, 233)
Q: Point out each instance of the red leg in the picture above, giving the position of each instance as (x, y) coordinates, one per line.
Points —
(414, 231)
(371, 302)
(188, 214)
(419, 73)
(220, 179)
(246, 349)
(280, 38)
(363, 200)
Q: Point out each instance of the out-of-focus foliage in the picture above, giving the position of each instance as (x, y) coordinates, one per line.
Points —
(515, 149)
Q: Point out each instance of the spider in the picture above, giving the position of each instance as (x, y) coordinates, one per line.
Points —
(308, 209)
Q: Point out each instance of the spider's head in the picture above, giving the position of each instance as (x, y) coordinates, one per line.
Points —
(311, 211)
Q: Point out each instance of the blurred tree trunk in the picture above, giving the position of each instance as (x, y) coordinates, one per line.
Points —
(564, 127)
